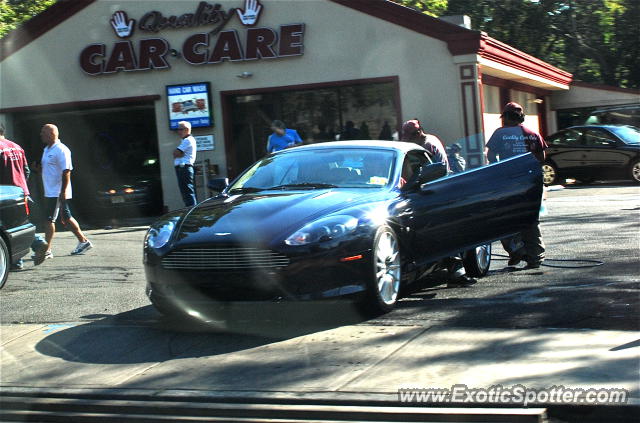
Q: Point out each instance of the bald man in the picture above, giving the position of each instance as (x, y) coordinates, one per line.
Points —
(56, 178)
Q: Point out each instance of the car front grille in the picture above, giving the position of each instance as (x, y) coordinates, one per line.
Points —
(224, 258)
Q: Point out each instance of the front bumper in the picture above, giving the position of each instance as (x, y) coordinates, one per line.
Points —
(310, 277)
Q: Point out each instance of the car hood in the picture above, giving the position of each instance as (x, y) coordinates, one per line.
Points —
(263, 218)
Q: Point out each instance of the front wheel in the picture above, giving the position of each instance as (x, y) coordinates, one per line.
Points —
(635, 172)
(549, 173)
(477, 261)
(5, 262)
(384, 283)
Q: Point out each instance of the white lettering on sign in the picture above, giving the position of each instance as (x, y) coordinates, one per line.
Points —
(205, 142)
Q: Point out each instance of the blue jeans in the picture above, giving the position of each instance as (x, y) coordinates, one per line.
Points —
(186, 184)
(37, 241)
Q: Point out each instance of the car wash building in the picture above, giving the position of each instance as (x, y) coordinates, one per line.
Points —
(117, 76)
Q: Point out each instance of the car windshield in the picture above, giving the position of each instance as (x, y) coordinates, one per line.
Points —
(628, 134)
(320, 168)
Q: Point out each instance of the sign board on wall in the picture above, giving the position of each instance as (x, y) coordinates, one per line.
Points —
(191, 103)
(205, 142)
(210, 45)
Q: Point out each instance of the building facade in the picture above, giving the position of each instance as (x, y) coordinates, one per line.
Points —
(116, 76)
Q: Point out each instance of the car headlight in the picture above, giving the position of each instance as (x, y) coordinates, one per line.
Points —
(325, 229)
(160, 232)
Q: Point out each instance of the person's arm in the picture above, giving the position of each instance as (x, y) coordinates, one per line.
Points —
(536, 144)
(491, 148)
(296, 137)
(269, 147)
(539, 154)
(179, 151)
(491, 156)
(27, 170)
(66, 178)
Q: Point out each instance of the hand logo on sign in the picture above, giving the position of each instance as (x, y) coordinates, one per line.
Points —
(249, 16)
(122, 24)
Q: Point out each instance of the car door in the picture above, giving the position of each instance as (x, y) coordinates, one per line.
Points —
(565, 150)
(463, 210)
(601, 157)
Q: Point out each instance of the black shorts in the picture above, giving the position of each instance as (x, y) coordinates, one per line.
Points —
(54, 210)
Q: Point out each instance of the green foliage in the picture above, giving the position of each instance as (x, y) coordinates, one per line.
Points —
(14, 12)
(596, 40)
(428, 7)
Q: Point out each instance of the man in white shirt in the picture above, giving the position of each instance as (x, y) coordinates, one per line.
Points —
(183, 158)
(56, 178)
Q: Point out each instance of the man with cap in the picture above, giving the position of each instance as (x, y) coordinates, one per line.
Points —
(510, 140)
(412, 131)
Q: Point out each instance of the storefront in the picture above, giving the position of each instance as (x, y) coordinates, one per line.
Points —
(116, 77)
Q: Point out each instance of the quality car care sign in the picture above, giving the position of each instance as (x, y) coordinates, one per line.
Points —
(212, 45)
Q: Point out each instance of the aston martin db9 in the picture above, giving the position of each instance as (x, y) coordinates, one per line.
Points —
(358, 219)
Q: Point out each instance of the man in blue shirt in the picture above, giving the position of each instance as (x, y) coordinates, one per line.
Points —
(508, 141)
(282, 137)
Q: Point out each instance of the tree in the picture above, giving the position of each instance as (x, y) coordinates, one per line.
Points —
(14, 12)
(597, 40)
(430, 7)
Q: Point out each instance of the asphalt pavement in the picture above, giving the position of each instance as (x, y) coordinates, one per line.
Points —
(79, 323)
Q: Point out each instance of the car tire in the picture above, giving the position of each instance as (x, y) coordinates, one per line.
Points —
(477, 261)
(5, 262)
(634, 171)
(549, 173)
(383, 288)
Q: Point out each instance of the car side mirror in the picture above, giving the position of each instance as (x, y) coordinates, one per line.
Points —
(218, 184)
(431, 172)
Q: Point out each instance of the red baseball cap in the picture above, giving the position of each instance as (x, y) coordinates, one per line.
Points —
(410, 127)
(513, 107)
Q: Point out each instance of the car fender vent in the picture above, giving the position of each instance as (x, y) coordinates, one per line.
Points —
(224, 258)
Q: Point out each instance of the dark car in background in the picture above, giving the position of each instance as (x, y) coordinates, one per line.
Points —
(16, 232)
(336, 219)
(593, 152)
(137, 192)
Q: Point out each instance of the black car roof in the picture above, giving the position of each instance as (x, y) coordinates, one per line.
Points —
(607, 126)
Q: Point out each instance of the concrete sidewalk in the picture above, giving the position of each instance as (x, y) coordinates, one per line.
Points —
(352, 360)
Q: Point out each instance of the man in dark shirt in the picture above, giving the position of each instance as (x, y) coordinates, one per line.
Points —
(412, 131)
(508, 141)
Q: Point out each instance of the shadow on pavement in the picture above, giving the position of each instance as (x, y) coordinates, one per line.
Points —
(142, 335)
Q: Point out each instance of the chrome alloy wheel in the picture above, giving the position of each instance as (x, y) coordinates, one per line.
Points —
(548, 174)
(635, 171)
(483, 256)
(4, 263)
(387, 260)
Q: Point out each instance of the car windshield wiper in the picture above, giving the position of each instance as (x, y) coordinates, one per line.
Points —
(245, 190)
(304, 185)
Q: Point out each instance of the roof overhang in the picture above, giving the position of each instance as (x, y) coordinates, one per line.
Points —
(503, 61)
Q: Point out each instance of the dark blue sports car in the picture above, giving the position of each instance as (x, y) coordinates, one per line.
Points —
(359, 218)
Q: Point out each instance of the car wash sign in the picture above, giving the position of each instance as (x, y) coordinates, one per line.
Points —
(212, 44)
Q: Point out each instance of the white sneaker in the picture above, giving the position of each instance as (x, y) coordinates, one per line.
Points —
(82, 247)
